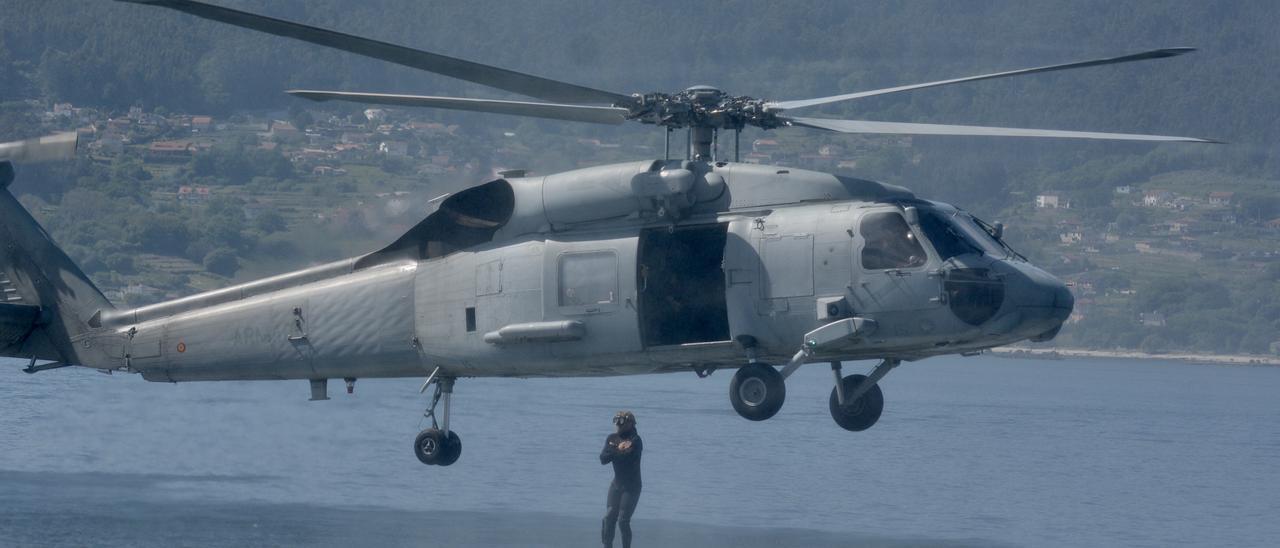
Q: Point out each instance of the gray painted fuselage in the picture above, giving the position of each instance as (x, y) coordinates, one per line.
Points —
(554, 283)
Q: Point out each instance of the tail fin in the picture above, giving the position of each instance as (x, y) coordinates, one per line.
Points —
(46, 301)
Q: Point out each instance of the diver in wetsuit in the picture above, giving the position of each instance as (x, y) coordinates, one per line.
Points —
(623, 449)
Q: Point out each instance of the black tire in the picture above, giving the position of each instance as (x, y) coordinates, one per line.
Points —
(859, 415)
(757, 392)
(452, 449)
(430, 446)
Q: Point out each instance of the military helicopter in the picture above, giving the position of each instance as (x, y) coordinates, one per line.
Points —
(657, 266)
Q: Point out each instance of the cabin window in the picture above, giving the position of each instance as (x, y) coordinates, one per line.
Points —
(588, 279)
(889, 242)
(471, 319)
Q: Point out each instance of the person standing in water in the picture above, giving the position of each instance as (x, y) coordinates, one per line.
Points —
(622, 448)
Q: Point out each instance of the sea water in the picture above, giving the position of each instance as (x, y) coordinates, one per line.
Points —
(975, 451)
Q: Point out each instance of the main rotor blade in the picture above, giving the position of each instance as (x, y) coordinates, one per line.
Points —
(516, 82)
(1153, 54)
(60, 146)
(576, 113)
(903, 128)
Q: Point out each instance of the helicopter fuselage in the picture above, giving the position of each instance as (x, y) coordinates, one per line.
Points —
(631, 268)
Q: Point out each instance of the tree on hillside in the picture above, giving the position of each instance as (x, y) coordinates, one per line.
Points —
(222, 261)
(163, 234)
(270, 222)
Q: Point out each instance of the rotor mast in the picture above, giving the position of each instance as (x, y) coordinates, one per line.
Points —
(702, 135)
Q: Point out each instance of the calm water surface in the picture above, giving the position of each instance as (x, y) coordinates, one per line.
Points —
(970, 451)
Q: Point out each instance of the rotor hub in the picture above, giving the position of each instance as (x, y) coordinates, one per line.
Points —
(701, 107)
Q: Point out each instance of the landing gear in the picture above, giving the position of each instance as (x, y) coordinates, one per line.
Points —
(856, 401)
(434, 447)
(860, 414)
(438, 445)
(757, 391)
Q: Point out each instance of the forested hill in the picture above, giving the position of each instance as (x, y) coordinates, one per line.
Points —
(106, 53)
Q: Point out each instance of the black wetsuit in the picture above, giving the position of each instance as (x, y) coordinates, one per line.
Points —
(624, 492)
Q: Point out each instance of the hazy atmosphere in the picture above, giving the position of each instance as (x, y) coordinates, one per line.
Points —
(1149, 420)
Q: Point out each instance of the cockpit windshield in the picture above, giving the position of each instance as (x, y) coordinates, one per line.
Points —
(955, 233)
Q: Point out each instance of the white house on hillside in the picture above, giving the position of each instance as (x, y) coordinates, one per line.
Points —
(1052, 200)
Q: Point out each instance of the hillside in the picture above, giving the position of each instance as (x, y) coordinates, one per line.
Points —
(1192, 270)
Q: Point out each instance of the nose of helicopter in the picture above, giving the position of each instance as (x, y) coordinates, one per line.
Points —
(1040, 302)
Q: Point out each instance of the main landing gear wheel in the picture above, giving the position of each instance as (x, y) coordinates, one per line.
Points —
(432, 446)
(860, 414)
(757, 392)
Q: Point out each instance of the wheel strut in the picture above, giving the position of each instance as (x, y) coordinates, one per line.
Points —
(876, 374)
(446, 385)
(444, 390)
(835, 370)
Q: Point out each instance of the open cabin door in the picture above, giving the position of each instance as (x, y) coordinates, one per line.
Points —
(681, 285)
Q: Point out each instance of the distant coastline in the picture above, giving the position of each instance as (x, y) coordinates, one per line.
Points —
(1061, 353)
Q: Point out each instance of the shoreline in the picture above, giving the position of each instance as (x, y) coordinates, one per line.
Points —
(1061, 353)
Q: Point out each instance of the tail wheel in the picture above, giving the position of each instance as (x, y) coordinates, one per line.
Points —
(757, 392)
(860, 414)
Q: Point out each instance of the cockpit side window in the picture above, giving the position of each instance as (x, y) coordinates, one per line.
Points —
(946, 240)
(953, 233)
(889, 242)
